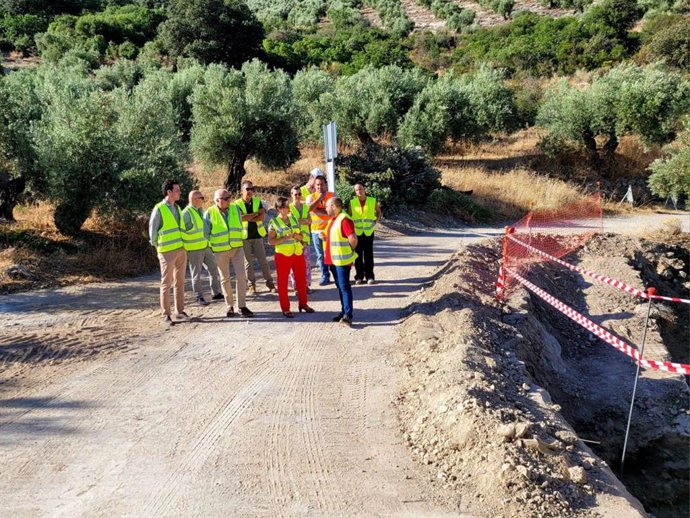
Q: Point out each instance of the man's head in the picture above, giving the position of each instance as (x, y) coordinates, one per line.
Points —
(334, 206)
(222, 199)
(171, 190)
(196, 199)
(320, 185)
(360, 191)
(247, 190)
(313, 175)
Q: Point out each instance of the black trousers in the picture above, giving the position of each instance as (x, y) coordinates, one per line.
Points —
(364, 264)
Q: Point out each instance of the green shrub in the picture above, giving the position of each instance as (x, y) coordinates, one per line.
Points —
(17, 32)
(446, 201)
(399, 177)
(671, 174)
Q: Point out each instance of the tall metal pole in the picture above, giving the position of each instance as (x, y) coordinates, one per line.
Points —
(650, 291)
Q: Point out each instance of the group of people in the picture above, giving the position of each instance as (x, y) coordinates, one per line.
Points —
(231, 234)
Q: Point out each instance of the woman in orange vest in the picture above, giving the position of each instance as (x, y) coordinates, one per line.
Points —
(285, 234)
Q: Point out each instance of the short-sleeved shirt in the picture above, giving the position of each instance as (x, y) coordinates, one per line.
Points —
(347, 227)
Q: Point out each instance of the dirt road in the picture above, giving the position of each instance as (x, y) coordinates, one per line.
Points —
(259, 417)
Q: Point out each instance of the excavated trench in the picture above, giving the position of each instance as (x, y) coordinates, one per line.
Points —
(593, 382)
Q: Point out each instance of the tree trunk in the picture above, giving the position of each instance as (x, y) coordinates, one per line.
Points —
(10, 191)
(591, 147)
(365, 139)
(611, 145)
(236, 172)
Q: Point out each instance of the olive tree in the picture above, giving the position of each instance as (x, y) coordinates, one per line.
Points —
(242, 114)
(671, 174)
(466, 107)
(308, 86)
(371, 103)
(648, 102)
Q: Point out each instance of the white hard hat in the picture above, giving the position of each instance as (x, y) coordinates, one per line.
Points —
(316, 172)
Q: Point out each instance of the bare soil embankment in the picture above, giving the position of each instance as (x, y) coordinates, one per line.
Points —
(498, 398)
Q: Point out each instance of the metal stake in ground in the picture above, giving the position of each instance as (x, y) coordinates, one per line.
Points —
(650, 291)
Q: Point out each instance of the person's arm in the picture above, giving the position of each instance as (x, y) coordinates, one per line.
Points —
(186, 220)
(379, 214)
(348, 229)
(155, 222)
(207, 225)
(315, 203)
(273, 237)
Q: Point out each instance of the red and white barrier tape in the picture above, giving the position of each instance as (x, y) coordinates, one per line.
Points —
(600, 331)
(603, 278)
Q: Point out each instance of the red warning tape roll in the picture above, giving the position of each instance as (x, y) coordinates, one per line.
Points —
(600, 331)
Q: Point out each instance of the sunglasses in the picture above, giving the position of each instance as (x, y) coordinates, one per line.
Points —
(225, 198)
(249, 188)
(297, 194)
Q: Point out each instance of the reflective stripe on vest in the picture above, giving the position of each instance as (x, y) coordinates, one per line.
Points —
(169, 235)
(225, 236)
(320, 222)
(364, 219)
(341, 251)
(256, 205)
(306, 230)
(194, 238)
(290, 246)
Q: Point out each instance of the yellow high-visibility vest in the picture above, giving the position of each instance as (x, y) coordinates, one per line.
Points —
(170, 233)
(341, 251)
(225, 236)
(194, 238)
(364, 217)
(256, 205)
(290, 246)
(306, 229)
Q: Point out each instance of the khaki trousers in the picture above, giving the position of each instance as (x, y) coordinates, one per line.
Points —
(254, 249)
(223, 260)
(173, 266)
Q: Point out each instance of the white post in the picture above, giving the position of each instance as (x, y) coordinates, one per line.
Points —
(330, 141)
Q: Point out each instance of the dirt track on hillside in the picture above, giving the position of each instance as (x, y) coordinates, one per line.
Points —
(104, 413)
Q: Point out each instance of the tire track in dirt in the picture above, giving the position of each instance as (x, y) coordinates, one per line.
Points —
(297, 389)
(227, 413)
(115, 392)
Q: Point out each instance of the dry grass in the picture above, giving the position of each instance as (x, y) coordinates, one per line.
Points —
(104, 251)
(513, 193)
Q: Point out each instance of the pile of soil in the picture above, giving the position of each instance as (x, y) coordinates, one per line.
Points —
(499, 398)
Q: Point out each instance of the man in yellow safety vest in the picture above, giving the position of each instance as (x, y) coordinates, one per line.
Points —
(224, 232)
(253, 214)
(340, 242)
(165, 233)
(198, 251)
(366, 213)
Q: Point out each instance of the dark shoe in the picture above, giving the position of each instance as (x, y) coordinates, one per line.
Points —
(309, 291)
(182, 317)
(218, 296)
(324, 282)
(371, 281)
(245, 311)
(167, 321)
(202, 301)
(288, 314)
(231, 312)
(306, 309)
(347, 321)
(359, 281)
(272, 289)
(337, 317)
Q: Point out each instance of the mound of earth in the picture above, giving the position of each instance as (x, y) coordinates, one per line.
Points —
(499, 398)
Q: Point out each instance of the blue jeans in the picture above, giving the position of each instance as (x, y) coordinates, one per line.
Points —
(317, 243)
(341, 275)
